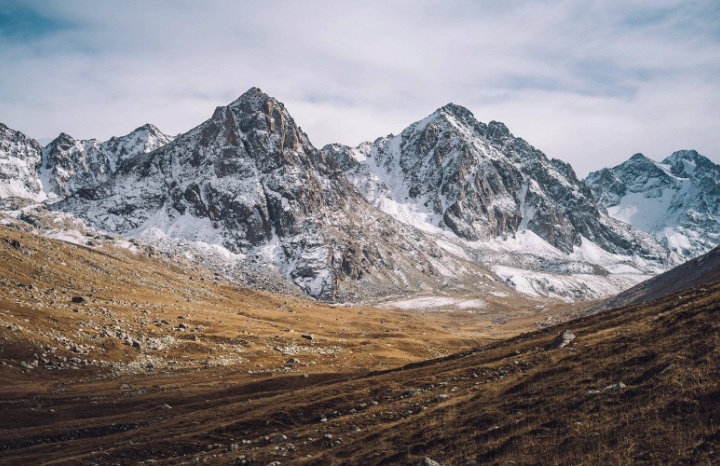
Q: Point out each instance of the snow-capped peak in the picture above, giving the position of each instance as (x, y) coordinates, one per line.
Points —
(676, 200)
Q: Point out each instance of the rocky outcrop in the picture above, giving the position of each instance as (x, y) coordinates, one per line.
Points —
(71, 164)
(19, 157)
(250, 180)
(481, 182)
(676, 200)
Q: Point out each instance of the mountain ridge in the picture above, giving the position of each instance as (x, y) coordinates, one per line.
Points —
(676, 200)
(448, 202)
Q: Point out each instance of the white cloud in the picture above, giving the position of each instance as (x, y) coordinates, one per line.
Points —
(587, 82)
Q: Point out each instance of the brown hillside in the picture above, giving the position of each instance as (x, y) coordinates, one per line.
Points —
(638, 385)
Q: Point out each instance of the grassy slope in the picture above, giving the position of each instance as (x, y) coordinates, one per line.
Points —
(509, 400)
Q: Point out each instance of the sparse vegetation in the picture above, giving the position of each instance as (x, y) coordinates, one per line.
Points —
(637, 385)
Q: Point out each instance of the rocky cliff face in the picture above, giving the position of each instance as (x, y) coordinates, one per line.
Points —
(250, 180)
(34, 173)
(676, 200)
(142, 140)
(451, 206)
(19, 155)
(70, 164)
(480, 182)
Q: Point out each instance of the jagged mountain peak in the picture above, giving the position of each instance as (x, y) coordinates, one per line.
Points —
(691, 164)
(141, 140)
(640, 159)
(146, 128)
(19, 155)
(253, 97)
(676, 200)
(456, 110)
(691, 154)
(480, 182)
(250, 180)
(62, 138)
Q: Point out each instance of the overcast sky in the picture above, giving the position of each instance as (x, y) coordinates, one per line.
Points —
(588, 82)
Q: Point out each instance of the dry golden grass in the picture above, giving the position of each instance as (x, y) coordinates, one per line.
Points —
(510, 401)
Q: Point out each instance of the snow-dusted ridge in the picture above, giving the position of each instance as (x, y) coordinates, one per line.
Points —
(66, 165)
(248, 179)
(676, 200)
(483, 194)
(450, 209)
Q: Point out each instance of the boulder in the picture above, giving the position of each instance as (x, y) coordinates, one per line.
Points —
(561, 341)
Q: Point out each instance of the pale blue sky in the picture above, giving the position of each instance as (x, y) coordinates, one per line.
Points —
(589, 82)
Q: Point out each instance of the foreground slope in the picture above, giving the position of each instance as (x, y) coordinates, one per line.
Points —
(696, 272)
(638, 385)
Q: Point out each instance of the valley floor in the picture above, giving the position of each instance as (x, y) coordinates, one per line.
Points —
(158, 364)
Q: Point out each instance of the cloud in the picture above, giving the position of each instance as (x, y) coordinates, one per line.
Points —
(587, 82)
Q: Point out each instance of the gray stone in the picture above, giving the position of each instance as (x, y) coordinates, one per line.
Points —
(561, 341)
(427, 462)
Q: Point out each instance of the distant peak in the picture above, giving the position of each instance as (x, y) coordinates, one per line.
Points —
(63, 137)
(691, 155)
(639, 158)
(457, 110)
(253, 100)
(150, 128)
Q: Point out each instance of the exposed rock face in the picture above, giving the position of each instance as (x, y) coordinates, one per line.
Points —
(250, 180)
(19, 156)
(431, 210)
(144, 139)
(66, 164)
(676, 200)
(479, 181)
(561, 341)
(70, 164)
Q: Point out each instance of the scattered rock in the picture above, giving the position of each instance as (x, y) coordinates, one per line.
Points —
(442, 397)
(308, 336)
(427, 462)
(164, 407)
(615, 386)
(279, 438)
(561, 341)
(78, 299)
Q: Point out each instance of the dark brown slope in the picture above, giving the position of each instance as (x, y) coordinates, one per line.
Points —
(696, 272)
(510, 402)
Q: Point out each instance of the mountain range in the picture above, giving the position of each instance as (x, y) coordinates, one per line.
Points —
(676, 200)
(450, 206)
